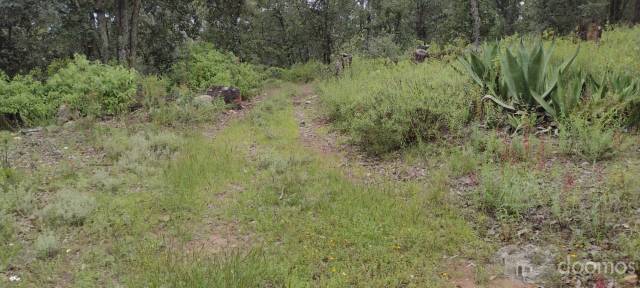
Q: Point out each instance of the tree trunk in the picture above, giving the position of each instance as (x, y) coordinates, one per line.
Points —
(615, 11)
(133, 34)
(475, 13)
(123, 22)
(508, 9)
(420, 14)
(636, 13)
(103, 33)
(328, 39)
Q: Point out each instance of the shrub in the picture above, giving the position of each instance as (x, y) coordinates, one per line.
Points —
(386, 108)
(463, 162)
(46, 245)
(304, 72)
(69, 207)
(154, 92)
(184, 110)
(384, 47)
(23, 96)
(507, 191)
(589, 139)
(203, 66)
(93, 88)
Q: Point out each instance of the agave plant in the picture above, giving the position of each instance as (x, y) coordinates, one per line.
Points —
(613, 94)
(482, 68)
(567, 97)
(527, 80)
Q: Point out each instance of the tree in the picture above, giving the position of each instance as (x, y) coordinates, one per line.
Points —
(636, 13)
(509, 11)
(475, 13)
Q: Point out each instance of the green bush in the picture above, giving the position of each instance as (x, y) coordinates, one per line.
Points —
(384, 47)
(24, 96)
(183, 110)
(154, 92)
(304, 72)
(386, 108)
(93, 88)
(203, 66)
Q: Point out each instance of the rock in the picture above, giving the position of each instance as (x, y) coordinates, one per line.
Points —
(203, 100)
(630, 280)
(421, 54)
(69, 124)
(231, 95)
(66, 114)
(31, 130)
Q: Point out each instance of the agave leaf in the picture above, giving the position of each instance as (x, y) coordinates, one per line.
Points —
(537, 69)
(499, 102)
(479, 65)
(545, 105)
(471, 71)
(514, 76)
(569, 61)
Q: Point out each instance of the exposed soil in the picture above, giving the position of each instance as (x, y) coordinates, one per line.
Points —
(316, 134)
(229, 116)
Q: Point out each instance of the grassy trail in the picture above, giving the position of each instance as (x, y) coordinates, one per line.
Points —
(304, 222)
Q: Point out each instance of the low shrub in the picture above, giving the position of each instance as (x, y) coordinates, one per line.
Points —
(507, 191)
(589, 139)
(388, 107)
(46, 245)
(69, 207)
(203, 66)
(92, 88)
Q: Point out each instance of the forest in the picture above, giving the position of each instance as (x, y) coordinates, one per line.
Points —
(320, 143)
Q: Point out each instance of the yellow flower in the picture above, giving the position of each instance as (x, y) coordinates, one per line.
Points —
(334, 270)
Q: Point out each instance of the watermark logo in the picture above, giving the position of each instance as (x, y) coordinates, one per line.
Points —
(578, 267)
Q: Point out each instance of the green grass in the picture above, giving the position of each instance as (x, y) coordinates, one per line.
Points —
(307, 223)
(316, 226)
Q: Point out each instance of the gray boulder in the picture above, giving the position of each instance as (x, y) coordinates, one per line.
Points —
(203, 100)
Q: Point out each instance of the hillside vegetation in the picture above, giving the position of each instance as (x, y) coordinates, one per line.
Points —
(342, 159)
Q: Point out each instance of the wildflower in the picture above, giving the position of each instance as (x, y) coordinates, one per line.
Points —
(14, 278)
(334, 270)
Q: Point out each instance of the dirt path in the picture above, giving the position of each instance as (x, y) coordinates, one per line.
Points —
(229, 116)
(316, 134)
